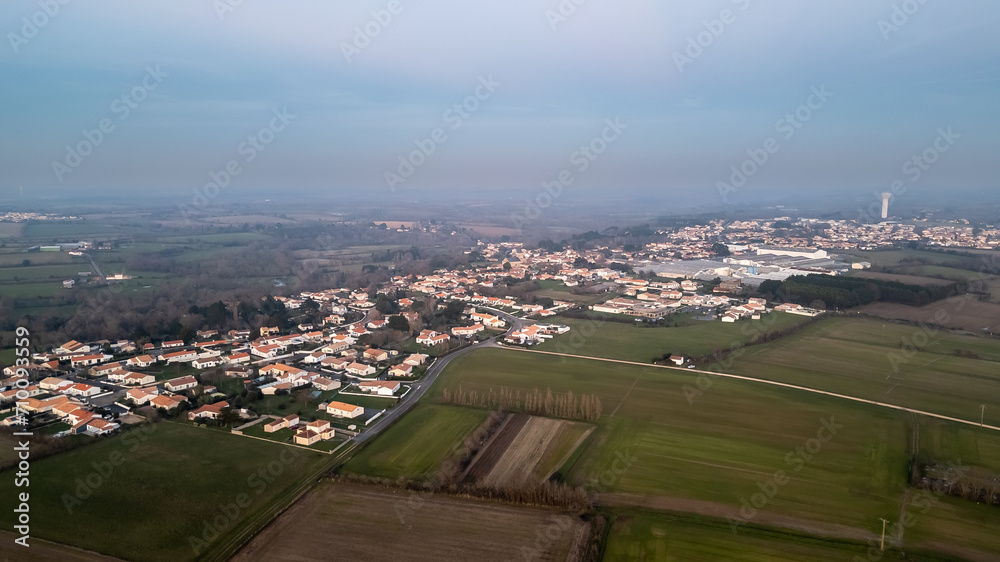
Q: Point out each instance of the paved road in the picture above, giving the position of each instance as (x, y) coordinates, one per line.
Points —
(93, 264)
(418, 390)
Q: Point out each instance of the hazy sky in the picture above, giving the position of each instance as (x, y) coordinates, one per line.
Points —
(201, 76)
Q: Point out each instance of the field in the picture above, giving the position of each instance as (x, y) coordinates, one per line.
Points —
(908, 279)
(614, 340)
(165, 483)
(973, 316)
(415, 446)
(662, 537)
(346, 522)
(664, 445)
(952, 374)
(526, 449)
(41, 551)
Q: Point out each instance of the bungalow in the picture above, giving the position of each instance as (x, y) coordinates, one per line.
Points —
(273, 388)
(269, 331)
(281, 423)
(382, 388)
(94, 426)
(208, 411)
(313, 336)
(179, 356)
(238, 357)
(375, 355)
(334, 319)
(415, 359)
(239, 335)
(360, 369)
(206, 362)
(377, 324)
(132, 379)
(88, 360)
(166, 402)
(72, 346)
(357, 330)
(265, 351)
(214, 343)
(335, 347)
(170, 344)
(306, 437)
(53, 383)
(180, 383)
(335, 363)
(140, 362)
(401, 370)
(677, 359)
(205, 334)
(63, 405)
(140, 396)
(488, 320)
(105, 369)
(425, 337)
(238, 371)
(343, 410)
(314, 357)
(81, 389)
(323, 383)
(281, 371)
(468, 331)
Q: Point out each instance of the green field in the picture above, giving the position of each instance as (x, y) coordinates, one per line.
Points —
(675, 538)
(415, 446)
(162, 491)
(712, 453)
(631, 342)
(867, 359)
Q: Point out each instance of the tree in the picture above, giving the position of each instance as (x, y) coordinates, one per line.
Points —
(25, 263)
(399, 323)
(506, 266)
(453, 310)
(720, 249)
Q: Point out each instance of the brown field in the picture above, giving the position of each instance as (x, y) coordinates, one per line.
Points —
(11, 229)
(525, 449)
(398, 224)
(44, 551)
(973, 316)
(909, 279)
(350, 522)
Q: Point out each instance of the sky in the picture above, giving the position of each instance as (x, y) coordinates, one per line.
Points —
(718, 101)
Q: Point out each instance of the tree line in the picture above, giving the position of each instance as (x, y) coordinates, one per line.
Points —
(586, 407)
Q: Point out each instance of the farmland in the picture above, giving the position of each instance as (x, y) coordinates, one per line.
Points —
(347, 522)
(656, 449)
(973, 316)
(525, 450)
(951, 374)
(165, 482)
(632, 342)
(417, 445)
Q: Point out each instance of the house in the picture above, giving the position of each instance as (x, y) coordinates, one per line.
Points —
(94, 426)
(72, 346)
(140, 396)
(269, 331)
(53, 383)
(377, 324)
(214, 343)
(265, 351)
(375, 355)
(382, 388)
(283, 372)
(306, 437)
(360, 369)
(206, 362)
(677, 359)
(436, 340)
(205, 334)
(357, 330)
(343, 410)
(140, 362)
(88, 360)
(180, 383)
(487, 320)
(335, 363)
(468, 331)
(208, 411)
(81, 389)
(139, 378)
(238, 357)
(401, 370)
(170, 344)
(335, 347)
(166, 402)
(281, 423)
(323, 383)
(238, 371)
(415, 359)
(273, 388)
(314, 357)
(105, 369)
(180, 356)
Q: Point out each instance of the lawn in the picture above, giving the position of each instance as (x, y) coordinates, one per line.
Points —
(877, 361)
(153, 489)
(415, 446)
(632, 342)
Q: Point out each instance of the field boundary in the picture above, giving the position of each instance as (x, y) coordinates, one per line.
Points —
(771, 383)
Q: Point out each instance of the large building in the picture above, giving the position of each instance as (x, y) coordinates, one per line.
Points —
(815, 254)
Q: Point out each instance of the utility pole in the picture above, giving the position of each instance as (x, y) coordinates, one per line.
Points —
(882, 545)
(982, 414)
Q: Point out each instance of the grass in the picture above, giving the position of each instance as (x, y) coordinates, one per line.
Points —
(876, 361)
(169, 482)
(417, 445)
(614, 340)
(663, 537)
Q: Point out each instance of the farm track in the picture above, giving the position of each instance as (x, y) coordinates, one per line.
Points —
(517, 462)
